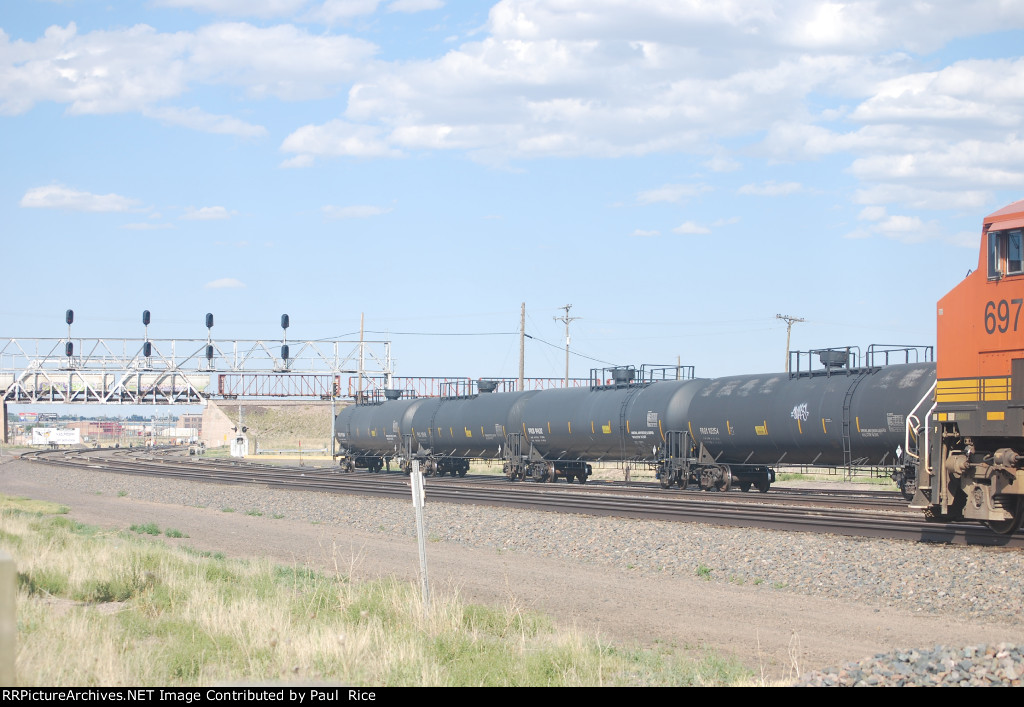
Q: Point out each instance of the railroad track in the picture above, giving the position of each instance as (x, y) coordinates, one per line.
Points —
(864, 514)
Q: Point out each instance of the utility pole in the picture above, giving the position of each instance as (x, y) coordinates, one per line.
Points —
(522, 347)
(566, 319)
(790, 321)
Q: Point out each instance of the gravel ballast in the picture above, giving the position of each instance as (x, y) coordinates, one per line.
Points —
(953, 581)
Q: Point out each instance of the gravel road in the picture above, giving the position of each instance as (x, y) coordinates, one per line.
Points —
(786, 604)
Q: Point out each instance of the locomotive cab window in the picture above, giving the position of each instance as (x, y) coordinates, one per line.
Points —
(1005, 253)
(1014, 260)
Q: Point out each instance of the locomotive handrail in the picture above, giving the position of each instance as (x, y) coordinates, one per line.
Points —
(913, 415)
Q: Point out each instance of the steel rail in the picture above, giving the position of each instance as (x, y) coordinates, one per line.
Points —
(725, 513)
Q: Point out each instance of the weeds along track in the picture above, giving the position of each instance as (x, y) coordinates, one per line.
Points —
(880, 514)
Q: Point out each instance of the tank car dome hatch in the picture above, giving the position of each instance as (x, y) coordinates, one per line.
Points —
(622, 375)
(834, 358)
(392, 393)
(486, 386)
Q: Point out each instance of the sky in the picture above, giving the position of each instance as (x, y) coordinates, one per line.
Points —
(680, 172)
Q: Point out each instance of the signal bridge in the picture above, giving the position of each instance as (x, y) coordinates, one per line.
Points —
(186, 371)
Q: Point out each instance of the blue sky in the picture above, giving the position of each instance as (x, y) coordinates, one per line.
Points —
(680, 172)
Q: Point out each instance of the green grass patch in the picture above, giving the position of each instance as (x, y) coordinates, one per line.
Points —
(20, 504)
(175, 533)
(146, 529)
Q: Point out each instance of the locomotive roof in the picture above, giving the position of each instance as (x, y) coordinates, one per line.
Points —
(1011, 216)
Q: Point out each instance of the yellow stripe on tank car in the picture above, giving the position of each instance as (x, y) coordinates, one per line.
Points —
(570, 426)
(689, 426)
(799, 426)
(996, 415)
(469, 432)
(823, 429)
(592, 427)
(549, 426)
(858, 423)
(607, 429)
(661, 431)
(627, 426)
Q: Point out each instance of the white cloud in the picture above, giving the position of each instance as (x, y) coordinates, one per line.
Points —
(639, 233)
(337, 138)
(347, 212)
(771, 188)
(195, 119)
(224, 283)
(414, 5)
(60, 197)
(909, 229)
(147, 226)
(722, 164)
(207, 213)
(872, 213)
(673, 193)
(139, 69)
(691, 228)
(283, 61)
(238, 8)
(334, 11)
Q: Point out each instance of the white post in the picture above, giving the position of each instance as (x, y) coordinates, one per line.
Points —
(418, 500)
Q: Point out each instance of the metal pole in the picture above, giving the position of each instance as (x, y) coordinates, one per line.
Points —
(522, 346)
(566, 319)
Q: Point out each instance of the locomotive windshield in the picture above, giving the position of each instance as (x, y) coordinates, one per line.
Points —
(1005, 254)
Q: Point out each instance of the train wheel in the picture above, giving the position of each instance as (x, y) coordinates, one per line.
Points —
(724, 483)
(1008, 527)
(763, 485)
(744, 486)
(581, 477)
(666, 480)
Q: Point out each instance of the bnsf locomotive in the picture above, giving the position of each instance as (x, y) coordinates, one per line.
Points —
(973, 451)
(952, 429)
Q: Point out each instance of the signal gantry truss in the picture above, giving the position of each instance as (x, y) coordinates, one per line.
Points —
(185, 371)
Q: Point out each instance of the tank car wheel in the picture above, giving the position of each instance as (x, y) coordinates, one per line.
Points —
(1008, 527)
(744, 486)
(666, 480)
(581, 476)
(463, 472)
(763, 485)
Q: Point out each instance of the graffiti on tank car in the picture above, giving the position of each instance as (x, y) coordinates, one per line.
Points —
(800, 412)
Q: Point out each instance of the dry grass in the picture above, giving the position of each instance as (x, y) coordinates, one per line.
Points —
(285, 427)
(115, 609)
